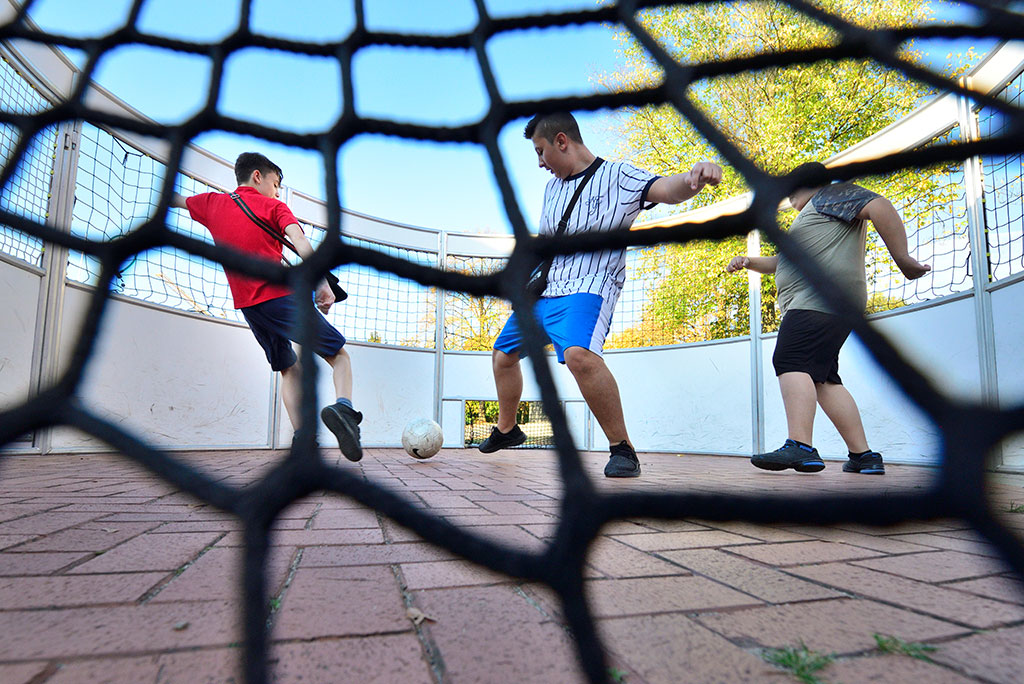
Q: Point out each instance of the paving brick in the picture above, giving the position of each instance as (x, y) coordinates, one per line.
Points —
(670, 525)
(664, 541)
(648, 596)
(89, 537)
(996, 656)
(454, 573)
(612, 558)
(45, 523)
(920, 596)
(885, 544)
(999, 588)
(937, 566)
(751, 578)
(217, 575)
(312, 537)
(69, 632)
(363, 660)
(26, 673)
(969, 544)
(800, 553)
(491, 634)
(833, 626)
(373, 554)
(668, 649)
(68, 590)
(890, 669)
(150, 552)
(11, 511)
(334, 602)
(13, 563)
(216, 666)
(9, 540)
(352, 518)
(761, 532)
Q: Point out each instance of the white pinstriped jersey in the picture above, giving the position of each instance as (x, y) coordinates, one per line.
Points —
(611, 199)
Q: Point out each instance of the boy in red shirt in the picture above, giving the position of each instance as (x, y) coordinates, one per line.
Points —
(268, 307)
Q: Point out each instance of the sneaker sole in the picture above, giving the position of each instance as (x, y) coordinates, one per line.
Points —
(866, 471)
(631, 473)
(805, 467)
(509, 445)
(348, 442)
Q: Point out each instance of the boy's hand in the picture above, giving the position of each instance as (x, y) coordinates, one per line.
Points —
(324, 297)
(737, 263)
(705, 173)
(912, 268)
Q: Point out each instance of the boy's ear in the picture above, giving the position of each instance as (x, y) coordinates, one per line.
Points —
(255, 177)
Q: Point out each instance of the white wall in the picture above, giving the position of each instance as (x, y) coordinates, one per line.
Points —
(1007, 305)
(19, 297)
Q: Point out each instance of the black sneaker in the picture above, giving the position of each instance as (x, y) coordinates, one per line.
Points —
(502, 440)
(344, 421)
(623, 462)
(803, 459)
(865, 464)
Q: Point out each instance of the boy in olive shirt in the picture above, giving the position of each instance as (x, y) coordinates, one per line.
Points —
(832, 228)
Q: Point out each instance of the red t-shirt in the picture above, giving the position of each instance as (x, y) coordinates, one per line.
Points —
(229, 225)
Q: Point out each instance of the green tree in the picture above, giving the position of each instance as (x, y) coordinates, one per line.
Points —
(777, 117)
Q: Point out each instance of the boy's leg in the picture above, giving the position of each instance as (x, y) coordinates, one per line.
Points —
(799, 398)
(599, 389)
(291, 394)
(838, 404)
(341, 367)
(508, 381)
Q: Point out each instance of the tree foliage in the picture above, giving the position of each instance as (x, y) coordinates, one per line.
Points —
(778, 118)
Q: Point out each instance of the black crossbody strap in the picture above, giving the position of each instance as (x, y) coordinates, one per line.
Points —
(261, 223)
(564, 223)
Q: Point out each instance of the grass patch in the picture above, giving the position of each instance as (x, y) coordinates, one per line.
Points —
(1015, 507)
(801, 662)
(891, 644)
(618, 676)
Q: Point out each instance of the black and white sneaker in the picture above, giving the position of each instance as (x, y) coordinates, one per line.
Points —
(623, 461)
(502, 440)
(344, 421)
(799, 457)
(869, 463)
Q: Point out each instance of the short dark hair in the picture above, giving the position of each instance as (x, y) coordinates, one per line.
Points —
(550, 125)
(810, 175)
(248, 162)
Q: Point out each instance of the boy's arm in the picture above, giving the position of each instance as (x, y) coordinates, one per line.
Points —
(682, 186)
(178, 202)
(758, 264)
(887, 222)
(324, 296)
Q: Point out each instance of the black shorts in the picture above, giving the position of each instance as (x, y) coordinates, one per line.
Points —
(273, 324)
(809, 342)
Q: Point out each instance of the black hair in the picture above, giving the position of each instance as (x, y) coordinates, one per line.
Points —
(248, 162)
(810, 175)
(550, 125)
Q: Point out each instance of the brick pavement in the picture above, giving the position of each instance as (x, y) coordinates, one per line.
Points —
(109, 575)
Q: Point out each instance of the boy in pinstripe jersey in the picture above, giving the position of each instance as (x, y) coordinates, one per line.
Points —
(575, 309)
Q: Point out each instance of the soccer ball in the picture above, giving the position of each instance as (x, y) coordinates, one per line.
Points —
(422, 438)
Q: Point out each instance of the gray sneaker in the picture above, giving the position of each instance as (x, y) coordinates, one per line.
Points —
(623, 461)
(800, 458)
(502, 440)
(865, 464)
(344, 421)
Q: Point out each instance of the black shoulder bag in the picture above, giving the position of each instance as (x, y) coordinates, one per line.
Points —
(332, 280)
(538, 280)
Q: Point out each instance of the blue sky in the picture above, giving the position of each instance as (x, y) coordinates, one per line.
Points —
(427, 184)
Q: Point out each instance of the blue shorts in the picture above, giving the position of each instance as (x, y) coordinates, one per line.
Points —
(273, 324)
(576, 320)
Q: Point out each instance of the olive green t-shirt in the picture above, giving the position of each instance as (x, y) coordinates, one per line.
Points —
(828, 229)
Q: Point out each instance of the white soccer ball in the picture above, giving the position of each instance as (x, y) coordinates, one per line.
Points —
(422, 438)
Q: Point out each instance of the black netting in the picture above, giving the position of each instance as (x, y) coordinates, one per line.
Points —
(969, 430)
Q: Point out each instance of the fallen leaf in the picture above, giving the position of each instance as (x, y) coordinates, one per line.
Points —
(417, 616)
(181, 626)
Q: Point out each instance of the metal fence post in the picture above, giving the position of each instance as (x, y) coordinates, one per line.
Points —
(974, 189)
(442, 257)
(756, 360)
(49, 319)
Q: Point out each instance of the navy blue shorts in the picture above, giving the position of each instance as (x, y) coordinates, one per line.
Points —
(273, 323)
(809, 342)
